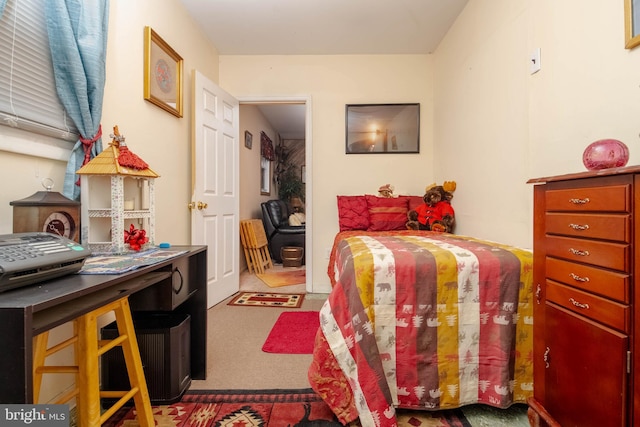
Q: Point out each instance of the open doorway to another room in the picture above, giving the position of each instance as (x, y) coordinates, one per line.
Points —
(286, 122)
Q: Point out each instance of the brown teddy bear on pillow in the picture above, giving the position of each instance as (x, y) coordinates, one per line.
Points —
(436, 214)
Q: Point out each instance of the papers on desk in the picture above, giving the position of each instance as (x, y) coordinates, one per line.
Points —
(118, 264)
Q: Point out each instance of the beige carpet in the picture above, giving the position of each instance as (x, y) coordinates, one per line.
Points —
(235, 359)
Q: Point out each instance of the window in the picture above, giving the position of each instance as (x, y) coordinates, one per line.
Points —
(265, 176)
(28, 99)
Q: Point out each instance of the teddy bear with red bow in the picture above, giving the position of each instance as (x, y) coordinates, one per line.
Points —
(436, 213)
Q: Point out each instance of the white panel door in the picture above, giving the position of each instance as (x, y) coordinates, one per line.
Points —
(215, 199)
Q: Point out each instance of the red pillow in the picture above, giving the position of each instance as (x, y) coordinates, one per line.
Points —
(414, 201)
(387, 213)
(353, 213)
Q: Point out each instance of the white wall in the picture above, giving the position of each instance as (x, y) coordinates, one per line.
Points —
(161, 139)
(253, 120)
(331, 82)
(481, 115)
(498, 126)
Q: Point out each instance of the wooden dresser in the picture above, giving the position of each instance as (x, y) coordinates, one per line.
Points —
(586, 308)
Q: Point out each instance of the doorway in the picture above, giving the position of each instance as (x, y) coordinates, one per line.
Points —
(275, 107)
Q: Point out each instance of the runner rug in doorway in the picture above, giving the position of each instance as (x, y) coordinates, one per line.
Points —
(265, 299)
(265, 408)
(283, 278)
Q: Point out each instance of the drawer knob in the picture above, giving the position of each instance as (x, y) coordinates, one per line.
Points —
(579, 227)
(538, 293)
(578, 252)
(579, 201)
(579, 304)
(578, 278)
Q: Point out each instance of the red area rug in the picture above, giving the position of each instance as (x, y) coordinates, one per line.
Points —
(265, 408)
(293, 333)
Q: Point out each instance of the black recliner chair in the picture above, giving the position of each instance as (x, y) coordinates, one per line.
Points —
(275, 217)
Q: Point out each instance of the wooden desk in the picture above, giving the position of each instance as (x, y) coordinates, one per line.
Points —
(28, 311)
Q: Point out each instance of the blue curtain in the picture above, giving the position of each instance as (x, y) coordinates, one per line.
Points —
(3, 3)
(78, 40)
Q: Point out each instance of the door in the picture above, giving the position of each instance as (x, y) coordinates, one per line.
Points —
(585, 371)
(215, 201)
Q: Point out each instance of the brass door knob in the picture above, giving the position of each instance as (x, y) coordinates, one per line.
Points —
(202, 205)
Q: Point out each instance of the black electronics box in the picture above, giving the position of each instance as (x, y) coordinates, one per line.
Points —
(164, 343)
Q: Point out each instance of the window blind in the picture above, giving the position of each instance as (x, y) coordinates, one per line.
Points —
(28, 98)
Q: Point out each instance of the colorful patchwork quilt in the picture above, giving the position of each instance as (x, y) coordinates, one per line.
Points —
(423, 320)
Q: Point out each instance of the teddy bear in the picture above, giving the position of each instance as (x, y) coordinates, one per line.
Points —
(436, 214)
(386, 190)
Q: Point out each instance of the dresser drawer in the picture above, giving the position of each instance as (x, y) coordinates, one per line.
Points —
(606, 283)
(600, 309)
(614, 198)
(593, 226)
(602, 254)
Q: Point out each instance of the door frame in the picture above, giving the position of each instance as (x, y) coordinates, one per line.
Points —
(308, 155)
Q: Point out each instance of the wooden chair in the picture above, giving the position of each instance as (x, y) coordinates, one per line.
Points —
(255, 245)
(87, 351)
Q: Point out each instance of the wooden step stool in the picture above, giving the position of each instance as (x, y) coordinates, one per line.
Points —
(87, 351)
(255, 245)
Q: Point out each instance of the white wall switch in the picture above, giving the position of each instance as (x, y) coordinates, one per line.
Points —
(534, 61)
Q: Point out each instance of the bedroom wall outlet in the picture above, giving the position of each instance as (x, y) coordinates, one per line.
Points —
(534, 61)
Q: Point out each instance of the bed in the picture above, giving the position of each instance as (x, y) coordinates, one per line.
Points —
(423, 320)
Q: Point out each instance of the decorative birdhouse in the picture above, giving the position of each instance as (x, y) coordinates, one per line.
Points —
(118, 199)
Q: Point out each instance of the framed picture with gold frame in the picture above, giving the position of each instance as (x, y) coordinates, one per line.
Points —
(162, 73)
(631, 23)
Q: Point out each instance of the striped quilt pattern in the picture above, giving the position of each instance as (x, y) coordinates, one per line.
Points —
(424, 320)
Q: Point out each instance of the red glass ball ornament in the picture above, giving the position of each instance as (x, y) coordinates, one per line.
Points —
(605, 153)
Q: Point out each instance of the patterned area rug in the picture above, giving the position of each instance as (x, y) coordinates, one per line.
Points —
(265, 408)
(263, 299)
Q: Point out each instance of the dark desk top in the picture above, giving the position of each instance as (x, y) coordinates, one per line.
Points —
(56, 301)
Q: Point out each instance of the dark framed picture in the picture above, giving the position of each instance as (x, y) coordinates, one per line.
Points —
(248, 139)
(382, 128)
(162, 74)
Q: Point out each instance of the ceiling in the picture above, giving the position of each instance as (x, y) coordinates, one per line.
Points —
(321, 27)
(324, 27)
(287, 119)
